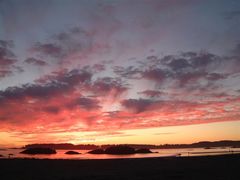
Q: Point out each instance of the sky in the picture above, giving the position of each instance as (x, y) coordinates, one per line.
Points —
(119, 71)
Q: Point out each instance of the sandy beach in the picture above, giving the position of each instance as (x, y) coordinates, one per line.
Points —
(220, 167)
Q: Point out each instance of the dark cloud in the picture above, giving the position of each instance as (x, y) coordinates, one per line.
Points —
(48, 87)
(179, 64)
(189, 54)
(184, 69)
(188, 68)
(63, 83)
(76, 40)
(152, 93)
(35, 61)
(190, 60)
(155, 74)
(76, 77)
(137, 105)
(52, 109)
(166, 106)
(203, 59)
(188, 78)
(48, 49)
(108, 85)
(34, 90)
(188, 72)
(72, 77)
(65, 43)
(84, 103)
(130, 72)
(7, 58)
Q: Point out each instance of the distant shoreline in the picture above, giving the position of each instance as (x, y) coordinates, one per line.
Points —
(201, 144)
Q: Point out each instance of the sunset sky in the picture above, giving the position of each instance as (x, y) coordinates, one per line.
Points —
(119, 71)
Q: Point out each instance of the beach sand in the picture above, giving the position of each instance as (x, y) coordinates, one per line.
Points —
(221, 167)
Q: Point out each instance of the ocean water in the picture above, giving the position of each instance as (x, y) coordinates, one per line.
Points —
(159, 153)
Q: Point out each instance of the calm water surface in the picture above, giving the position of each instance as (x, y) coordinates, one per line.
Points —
(161, 153)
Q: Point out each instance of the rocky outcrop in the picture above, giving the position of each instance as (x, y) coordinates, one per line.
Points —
(72, 152)
(39, 151)
(97, 151)
(121, 149)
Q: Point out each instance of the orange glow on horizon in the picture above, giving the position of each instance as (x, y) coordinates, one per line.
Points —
(164, 135)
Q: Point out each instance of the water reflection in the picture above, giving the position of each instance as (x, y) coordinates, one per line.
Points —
(160, 153)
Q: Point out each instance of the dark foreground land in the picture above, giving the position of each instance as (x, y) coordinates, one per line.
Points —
(222, 167)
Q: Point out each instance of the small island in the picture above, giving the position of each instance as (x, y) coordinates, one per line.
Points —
(72, 152)
(34, 151)
(120, 150)
(97, 151)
